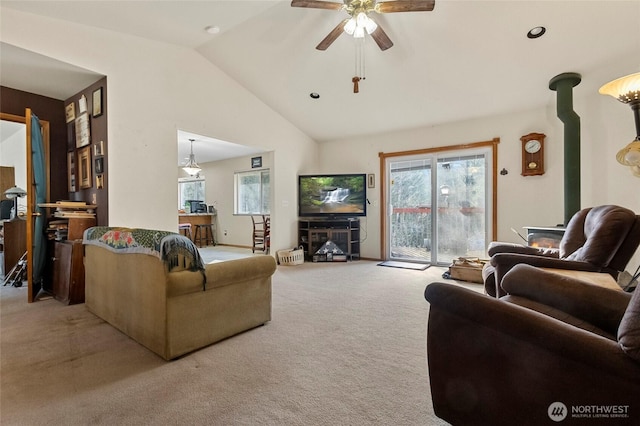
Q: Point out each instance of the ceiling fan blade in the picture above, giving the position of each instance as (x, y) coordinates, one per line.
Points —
(332, 36)
(381, 38)
(405, 6)
(317, 4)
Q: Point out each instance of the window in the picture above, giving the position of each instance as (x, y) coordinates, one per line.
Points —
(251, 192)
(190, 189)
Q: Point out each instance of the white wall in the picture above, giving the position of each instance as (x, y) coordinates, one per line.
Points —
(606, 126)
(154, 90)
(219, 191)
(13, 153)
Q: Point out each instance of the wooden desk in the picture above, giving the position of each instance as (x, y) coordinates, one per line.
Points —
(198, 219)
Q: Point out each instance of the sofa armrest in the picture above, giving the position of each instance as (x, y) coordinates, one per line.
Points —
(500, 247)
(220, 274)
(600, 306)
(559, 339)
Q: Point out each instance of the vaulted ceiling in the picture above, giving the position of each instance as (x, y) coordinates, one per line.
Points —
(464, 59)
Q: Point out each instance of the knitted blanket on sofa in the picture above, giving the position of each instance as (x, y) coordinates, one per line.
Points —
(176, 250)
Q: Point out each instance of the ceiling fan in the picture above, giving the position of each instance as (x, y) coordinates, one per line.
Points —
(360, 22)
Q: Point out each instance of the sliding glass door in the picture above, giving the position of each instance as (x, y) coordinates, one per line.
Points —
(437, 205)
(410, 208)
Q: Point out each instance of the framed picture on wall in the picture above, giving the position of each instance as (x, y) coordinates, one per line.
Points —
(97, 102)
(83, 137)
(71, 171)
(84, 167)
(82, 104)
(98, 149)
(371, 180)
(99, 165)
(70, 112)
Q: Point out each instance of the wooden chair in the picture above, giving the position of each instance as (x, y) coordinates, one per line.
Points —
(261, 233)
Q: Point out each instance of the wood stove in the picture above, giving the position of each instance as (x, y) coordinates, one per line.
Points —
(544, 236)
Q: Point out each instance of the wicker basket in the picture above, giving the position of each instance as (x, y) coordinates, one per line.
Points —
(291, 257)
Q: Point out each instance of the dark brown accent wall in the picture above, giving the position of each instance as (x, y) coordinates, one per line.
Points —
(15, 102)
(62, 140)
(98, 132)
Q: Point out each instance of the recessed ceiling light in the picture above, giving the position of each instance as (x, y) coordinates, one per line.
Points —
(314, 95)
(536, 32)
(212, 29)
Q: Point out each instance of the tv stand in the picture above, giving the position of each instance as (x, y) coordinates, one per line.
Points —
(344, 232)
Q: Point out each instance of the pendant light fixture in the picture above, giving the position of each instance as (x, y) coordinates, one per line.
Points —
(191, 167)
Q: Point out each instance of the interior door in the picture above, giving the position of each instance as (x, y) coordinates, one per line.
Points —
(30, 209)
(34, 239)
(37, 145)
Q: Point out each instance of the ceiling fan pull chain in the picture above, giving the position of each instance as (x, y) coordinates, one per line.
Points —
(359, 68)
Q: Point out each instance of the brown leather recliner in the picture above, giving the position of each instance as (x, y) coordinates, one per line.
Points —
(554, 347)
(597, 239)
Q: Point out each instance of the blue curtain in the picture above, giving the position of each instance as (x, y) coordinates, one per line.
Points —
(40, 184)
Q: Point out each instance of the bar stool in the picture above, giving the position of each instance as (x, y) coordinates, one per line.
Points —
(204, 235)
(185, 229)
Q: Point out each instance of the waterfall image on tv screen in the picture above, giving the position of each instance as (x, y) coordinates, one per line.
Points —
(332, 195)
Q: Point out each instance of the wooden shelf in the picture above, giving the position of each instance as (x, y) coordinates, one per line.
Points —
(345, 233)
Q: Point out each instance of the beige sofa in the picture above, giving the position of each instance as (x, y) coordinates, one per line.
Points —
(165, 304)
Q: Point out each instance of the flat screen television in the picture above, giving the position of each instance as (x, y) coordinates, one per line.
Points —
(335, 195)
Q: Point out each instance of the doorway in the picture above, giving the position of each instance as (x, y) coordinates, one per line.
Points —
(439, 204)
(13, 153)
(36, 142)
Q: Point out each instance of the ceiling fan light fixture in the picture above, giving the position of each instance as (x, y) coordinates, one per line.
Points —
(362, 19)
(356, 26)
(371, 26)
(350, 26)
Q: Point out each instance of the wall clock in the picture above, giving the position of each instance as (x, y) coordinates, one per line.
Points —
(533, 154)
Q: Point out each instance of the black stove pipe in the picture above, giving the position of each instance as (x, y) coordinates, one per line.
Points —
(563, 84)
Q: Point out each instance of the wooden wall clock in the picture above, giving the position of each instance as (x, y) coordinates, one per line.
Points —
(533, 154)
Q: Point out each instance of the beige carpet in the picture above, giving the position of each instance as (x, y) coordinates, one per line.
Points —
(346, 346)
